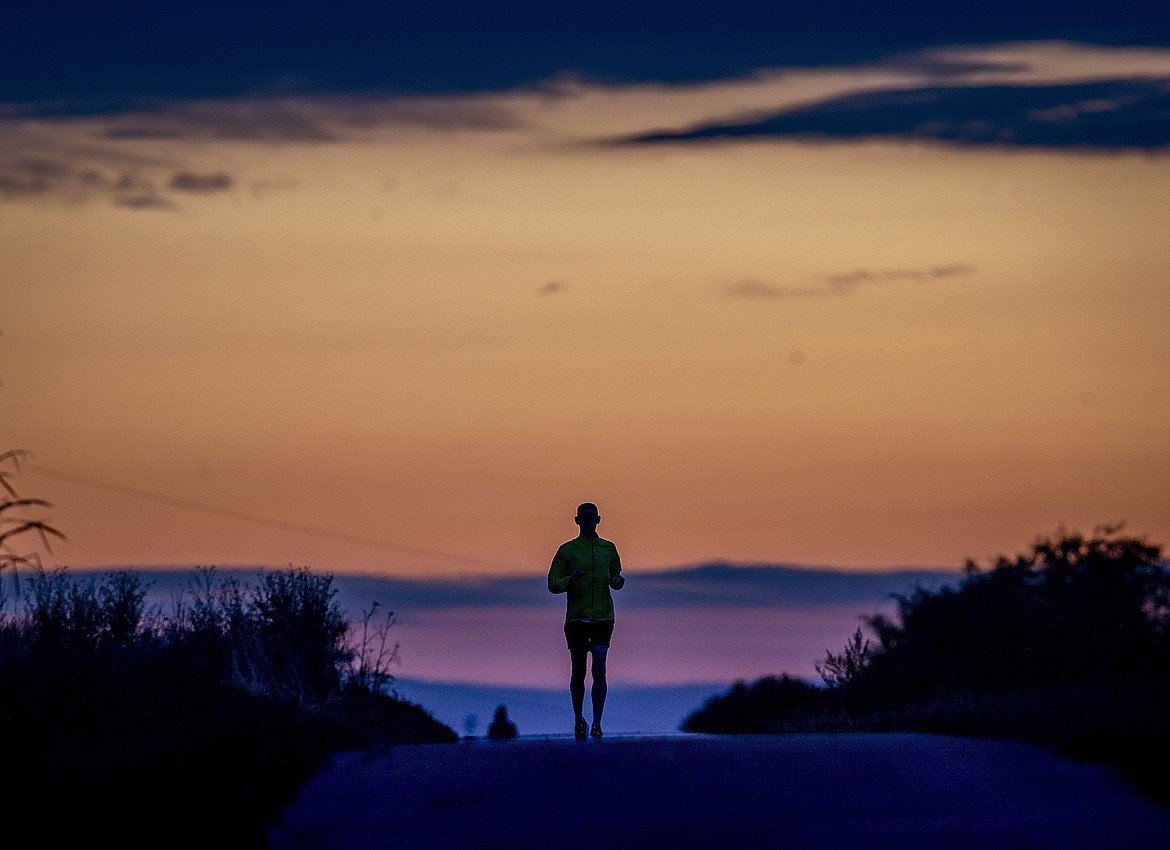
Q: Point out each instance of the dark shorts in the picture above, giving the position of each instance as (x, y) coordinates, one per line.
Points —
(583, 636)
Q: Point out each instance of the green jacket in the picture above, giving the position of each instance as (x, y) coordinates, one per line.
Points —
(589, 597)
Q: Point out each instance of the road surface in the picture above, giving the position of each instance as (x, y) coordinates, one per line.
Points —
(844, 792)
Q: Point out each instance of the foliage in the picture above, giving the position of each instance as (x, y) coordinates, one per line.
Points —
(128, 721)
(131, 716)
(300, 632)
(373, 652)
(840, 670)
(83, 619)
(753, 708)
(1066, 644)
(16, 523)
(1073, 609)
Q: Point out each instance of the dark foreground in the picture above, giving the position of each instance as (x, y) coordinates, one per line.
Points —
(901, 791)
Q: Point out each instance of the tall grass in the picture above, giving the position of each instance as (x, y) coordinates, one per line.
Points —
(126, 722)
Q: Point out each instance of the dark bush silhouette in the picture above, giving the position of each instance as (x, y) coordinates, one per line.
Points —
(1067, 643)
(755, 707)
(838, 671)
(129, 720)
(1072, 610)
(501, 728)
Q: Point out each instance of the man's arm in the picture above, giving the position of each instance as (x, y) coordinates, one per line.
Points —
(559, 574)
(616, 580)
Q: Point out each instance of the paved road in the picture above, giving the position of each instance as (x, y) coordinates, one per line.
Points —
(844, 792)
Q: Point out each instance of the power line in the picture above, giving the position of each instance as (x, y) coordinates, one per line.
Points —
(256, 519)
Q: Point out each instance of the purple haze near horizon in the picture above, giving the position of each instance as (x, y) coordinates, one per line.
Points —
(469, 644)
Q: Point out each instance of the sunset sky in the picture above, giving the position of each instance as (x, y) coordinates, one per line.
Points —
(393, 294)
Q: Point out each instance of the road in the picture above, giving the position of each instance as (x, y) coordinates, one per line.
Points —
(819, 792)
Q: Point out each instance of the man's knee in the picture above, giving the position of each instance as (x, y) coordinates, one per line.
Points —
(599, 653)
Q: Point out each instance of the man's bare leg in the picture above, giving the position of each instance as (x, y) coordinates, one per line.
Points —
(599, 686)
(577, 684)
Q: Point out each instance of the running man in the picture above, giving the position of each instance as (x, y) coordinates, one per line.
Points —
(585, 568)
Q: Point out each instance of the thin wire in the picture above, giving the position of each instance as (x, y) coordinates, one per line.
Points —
(256, 519)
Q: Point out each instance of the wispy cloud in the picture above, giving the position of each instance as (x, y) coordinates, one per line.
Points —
(305, 119)
(1125, 114)
(752, 288)
(32, 177)
(78, 178)
(91, 157)
(848, 280)
(57, 177)
(552, 287)
(186, 181)
(143, 202)
(843, 283)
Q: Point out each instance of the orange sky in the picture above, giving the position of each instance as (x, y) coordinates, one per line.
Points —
(444, 322)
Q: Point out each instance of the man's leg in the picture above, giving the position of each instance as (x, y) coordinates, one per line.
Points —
(599, 686)
(577, 682)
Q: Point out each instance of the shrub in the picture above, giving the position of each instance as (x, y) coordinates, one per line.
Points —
(755, 707)
(1066, 644)
(126, 716)
(1071, 610)
(838, 671)
(299, 631)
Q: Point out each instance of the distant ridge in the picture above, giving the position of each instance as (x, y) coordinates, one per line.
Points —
(713, 584)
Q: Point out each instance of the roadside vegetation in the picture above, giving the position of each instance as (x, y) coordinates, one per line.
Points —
(1066, 645)
(192, 726)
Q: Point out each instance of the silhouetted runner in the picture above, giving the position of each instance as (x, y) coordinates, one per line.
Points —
(585, 568)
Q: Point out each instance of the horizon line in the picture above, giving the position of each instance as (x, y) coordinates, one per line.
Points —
(688, 567)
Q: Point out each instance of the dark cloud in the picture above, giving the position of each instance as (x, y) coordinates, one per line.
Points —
(21, 185)
(428, 113)
(241, 120)
(48, 169)
(552, 287)
(133, 183)
(56, 175)
(751, 288)
(77, 174)
(849, 280)
(29, 177)
(186, 181)
(304, 120)
(25, 177)
(84, 55)
(143, 202)
(1131, 114)
(843, 283)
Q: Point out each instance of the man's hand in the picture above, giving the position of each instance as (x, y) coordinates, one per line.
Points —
(616, 582)
(576, 575)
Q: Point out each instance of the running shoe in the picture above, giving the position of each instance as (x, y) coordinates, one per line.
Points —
(596, 730)
(581, 728)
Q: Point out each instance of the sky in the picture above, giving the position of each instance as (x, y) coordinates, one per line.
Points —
(391, 288)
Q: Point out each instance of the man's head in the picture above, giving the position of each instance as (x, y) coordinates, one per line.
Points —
(587, 517)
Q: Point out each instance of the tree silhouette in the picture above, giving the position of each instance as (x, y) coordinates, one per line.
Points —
(1072, 609)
